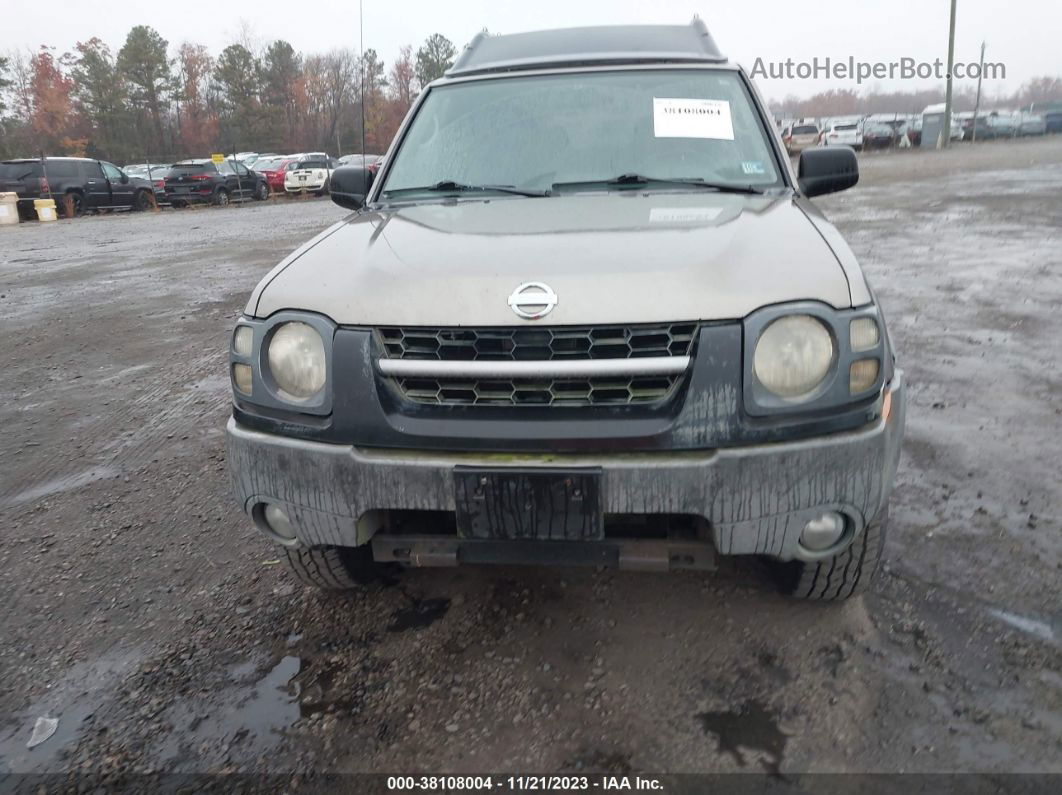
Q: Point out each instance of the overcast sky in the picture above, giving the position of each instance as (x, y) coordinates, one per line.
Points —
(1022, 34)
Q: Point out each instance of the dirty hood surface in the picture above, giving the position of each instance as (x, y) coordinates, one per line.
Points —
(610, 258)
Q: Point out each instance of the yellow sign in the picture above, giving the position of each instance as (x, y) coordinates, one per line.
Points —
(218, 158)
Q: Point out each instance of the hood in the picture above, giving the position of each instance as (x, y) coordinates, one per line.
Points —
(610, 258)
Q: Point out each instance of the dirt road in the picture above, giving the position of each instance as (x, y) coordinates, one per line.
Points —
(144, 612)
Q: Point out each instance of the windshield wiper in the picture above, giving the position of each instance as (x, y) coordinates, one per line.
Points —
(641, 179)
(450, 186)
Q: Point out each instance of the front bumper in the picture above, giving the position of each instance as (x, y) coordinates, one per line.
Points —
(299, 187)
(756, 498)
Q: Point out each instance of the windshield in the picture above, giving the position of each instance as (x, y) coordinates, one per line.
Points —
(538, 131)
(312, 164)
(805, 129)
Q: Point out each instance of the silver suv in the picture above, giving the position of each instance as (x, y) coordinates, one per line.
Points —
(584, 314)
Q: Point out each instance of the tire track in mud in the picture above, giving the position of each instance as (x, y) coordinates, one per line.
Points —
(119, 439)
(112, 314)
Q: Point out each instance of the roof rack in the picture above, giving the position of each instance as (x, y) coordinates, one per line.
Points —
(614, 44)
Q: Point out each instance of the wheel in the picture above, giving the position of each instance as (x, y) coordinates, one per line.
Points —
(73, 204)
(333, 568)
(221, 198)
(261, 193)
(142, 201)
(844, 575)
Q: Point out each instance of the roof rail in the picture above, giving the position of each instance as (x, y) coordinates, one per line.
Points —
(613, 44)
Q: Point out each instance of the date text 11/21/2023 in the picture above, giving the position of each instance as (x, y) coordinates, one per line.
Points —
(522, 783)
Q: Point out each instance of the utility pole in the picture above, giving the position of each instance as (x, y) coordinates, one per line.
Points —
(361, 72)
(945, 136)
(977, 102)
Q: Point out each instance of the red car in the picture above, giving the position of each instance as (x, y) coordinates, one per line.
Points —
(273, 168)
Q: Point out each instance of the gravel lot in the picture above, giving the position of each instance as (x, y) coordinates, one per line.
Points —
(145, 613)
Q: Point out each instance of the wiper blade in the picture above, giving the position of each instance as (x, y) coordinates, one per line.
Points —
(450, 186)
(641, 179)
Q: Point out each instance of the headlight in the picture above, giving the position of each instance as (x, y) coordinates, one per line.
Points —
(297, 361)
(793, 355)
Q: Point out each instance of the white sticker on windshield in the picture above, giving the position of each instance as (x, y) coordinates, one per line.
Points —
(692, 118)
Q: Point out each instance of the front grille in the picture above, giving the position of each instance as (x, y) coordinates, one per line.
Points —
(538, 344)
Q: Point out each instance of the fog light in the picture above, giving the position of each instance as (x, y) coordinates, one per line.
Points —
(823, 531)
(278, 521)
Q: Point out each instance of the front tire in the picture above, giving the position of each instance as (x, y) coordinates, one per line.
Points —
(261, 193)
(142, 201)
(221, 198)
(844, 575)
(333, 568)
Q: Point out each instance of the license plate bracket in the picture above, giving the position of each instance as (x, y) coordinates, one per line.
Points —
(540, 503)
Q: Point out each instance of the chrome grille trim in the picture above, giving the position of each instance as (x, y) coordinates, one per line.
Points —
(552, 368)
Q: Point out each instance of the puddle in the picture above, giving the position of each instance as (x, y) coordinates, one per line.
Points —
(753, 727)
(81, 691)
(60, 484)
(421, 614)
(1039, 629)
(206, 733)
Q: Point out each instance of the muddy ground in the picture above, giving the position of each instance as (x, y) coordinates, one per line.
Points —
(144, 612)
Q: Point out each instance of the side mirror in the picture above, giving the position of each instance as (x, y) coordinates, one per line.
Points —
(349, 185)
(125, 178)
(827, 170)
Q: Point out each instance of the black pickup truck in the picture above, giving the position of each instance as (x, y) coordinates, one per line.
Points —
(77, 184)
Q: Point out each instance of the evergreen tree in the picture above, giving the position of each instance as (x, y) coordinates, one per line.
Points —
(143, 63)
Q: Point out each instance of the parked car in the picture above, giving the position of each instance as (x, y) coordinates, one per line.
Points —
(1003, 125)
(247, 158)
(883, 135)
(1032, 124)
(371, 162)
(799, 137)
(843, 133)
(273, 169)
(146, 170)
(155, 173)
(206, 182)
(309, 176)
(77, 184)
(438, 378)
(984, 131)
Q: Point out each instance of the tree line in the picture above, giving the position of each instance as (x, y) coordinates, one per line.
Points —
(148, 101)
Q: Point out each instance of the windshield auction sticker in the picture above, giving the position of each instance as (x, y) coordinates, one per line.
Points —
(692, 118)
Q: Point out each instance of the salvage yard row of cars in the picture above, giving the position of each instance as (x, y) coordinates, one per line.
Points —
(81, 184)
(888, 130)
